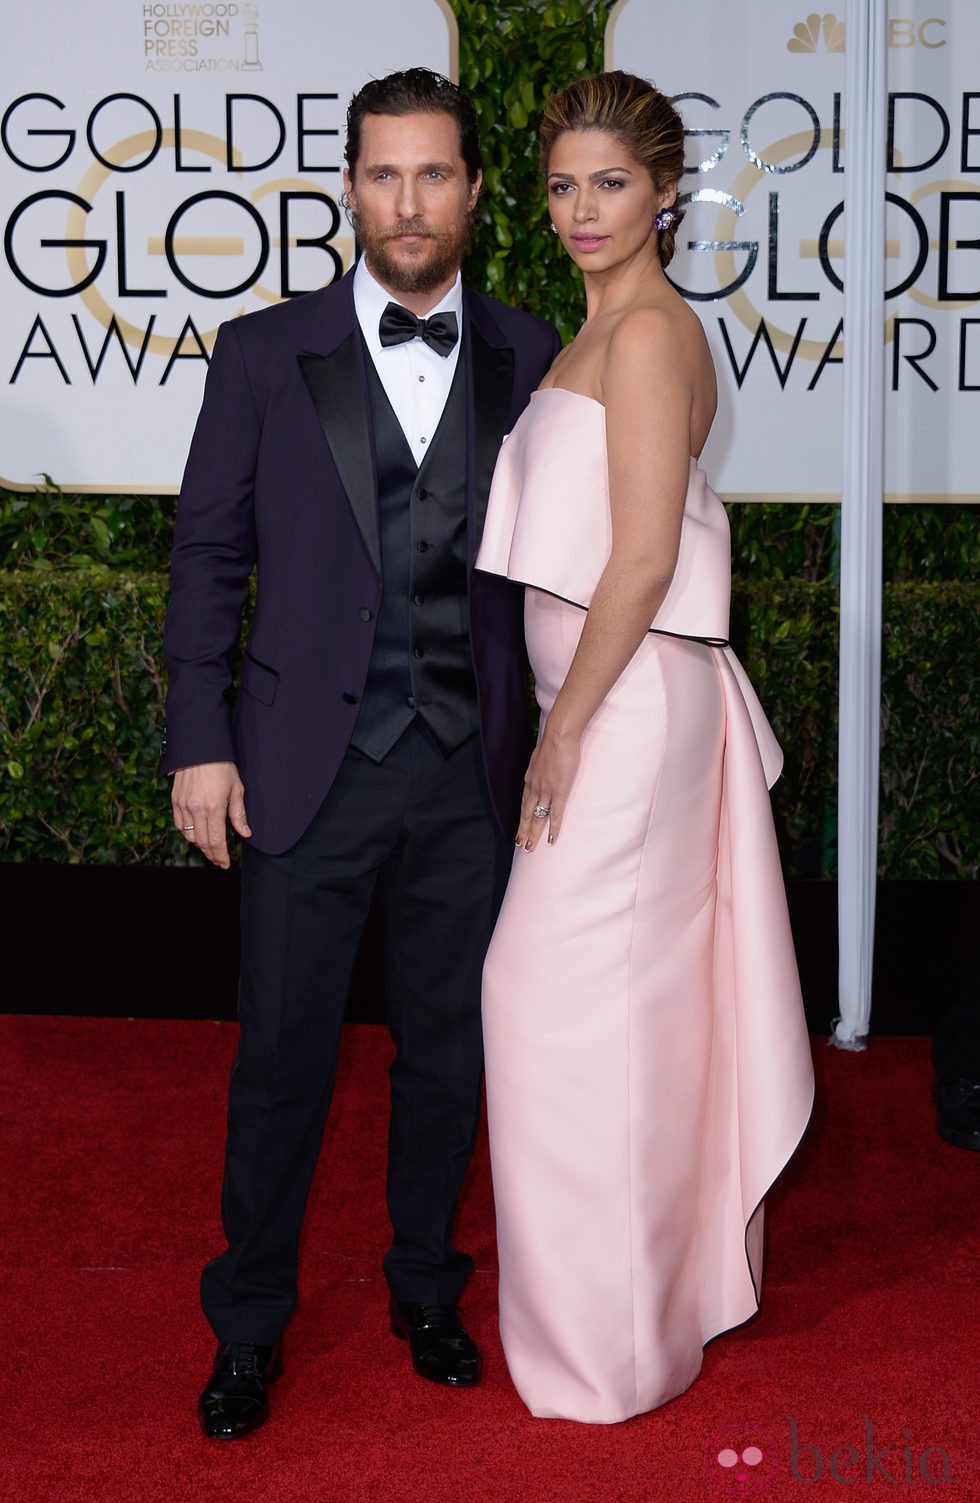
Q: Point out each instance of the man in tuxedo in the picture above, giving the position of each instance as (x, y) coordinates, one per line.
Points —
(377, 742)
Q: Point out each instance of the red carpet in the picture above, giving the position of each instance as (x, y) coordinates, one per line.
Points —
(859, 1379)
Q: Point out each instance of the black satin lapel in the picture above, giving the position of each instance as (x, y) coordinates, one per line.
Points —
(492, 389)
(335, 385)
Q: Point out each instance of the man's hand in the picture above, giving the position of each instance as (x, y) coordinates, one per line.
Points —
(203, 797)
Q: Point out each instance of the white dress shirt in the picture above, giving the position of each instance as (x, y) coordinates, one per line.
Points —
(415, 377)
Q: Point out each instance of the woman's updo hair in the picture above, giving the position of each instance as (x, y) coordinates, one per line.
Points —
(638, 115)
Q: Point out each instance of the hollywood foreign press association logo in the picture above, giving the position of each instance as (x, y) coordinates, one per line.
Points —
(195, 36)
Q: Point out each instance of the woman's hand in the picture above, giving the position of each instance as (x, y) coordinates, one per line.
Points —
(547, 784)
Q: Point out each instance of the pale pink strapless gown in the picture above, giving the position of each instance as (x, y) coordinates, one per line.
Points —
(648, 1066)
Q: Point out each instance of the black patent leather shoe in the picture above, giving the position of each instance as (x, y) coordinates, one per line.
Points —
(958, 1112)
(442, 1349)
(235, 1401)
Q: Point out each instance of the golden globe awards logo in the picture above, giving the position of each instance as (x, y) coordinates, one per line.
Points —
(156, 188)
(761, 250)
(216, 242)
(126, 134)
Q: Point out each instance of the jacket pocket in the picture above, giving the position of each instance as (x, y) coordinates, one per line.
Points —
(258, 680)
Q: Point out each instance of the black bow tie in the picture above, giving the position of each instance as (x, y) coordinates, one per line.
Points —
(398, 324)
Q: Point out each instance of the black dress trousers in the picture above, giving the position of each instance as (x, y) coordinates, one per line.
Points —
(417, 827)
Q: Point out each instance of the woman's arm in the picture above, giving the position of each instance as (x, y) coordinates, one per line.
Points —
(648, 394)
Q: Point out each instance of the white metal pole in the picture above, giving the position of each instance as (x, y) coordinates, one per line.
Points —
(865, 107)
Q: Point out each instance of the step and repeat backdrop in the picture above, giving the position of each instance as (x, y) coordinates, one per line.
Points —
(762, 247)
(167, 164)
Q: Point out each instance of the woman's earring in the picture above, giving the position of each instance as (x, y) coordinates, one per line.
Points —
(554, 229)
(665, 219)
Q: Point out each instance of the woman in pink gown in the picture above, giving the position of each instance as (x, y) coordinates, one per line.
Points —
(648, 1067)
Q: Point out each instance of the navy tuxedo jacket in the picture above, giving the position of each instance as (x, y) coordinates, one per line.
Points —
(281, 478)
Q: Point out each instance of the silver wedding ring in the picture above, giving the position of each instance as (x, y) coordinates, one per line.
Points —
(187, 827)
(541, 811)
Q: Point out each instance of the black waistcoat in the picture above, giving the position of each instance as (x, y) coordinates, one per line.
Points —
(421, 663)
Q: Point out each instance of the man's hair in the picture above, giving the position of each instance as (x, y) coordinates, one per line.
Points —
(416, 91)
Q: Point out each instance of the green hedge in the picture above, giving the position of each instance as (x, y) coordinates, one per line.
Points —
(82, 579)
(786, 632)
(81, 713)
(512, 55)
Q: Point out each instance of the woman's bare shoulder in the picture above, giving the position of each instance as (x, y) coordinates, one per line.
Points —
(655, 326)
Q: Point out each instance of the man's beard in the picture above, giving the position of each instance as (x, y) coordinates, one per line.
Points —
(429, 271)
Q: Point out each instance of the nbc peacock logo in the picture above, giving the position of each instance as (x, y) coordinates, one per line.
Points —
(818, 33)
